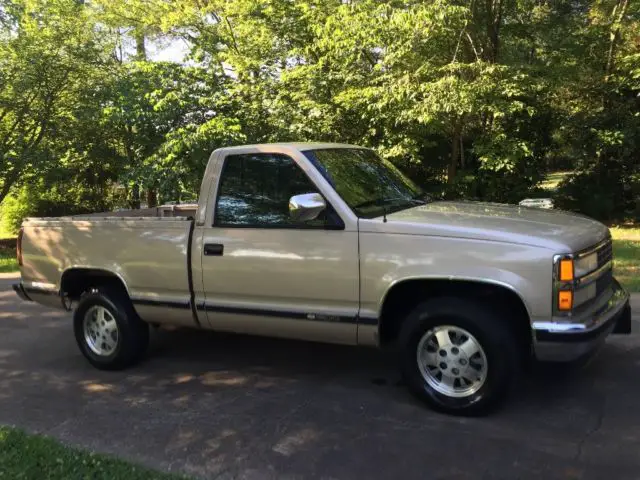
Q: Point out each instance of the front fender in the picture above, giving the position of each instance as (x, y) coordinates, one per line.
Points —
(388, 259)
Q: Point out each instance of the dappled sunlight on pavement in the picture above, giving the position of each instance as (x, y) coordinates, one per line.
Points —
(214, 404)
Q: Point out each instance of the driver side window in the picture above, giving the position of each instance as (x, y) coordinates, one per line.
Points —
(255, 189)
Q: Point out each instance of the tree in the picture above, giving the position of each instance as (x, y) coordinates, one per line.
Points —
(166, 118)
(47, 51)
(474, 98)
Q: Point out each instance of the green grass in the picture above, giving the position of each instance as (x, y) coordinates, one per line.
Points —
(553, 180)
(626, 255)
(26, 457)
(8, 261)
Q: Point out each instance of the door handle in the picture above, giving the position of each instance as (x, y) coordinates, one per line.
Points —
(213, 249)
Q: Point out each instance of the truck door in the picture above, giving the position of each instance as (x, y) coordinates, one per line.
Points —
(263, 273)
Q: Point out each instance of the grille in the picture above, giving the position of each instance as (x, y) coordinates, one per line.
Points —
(605, 253)
(603, 282)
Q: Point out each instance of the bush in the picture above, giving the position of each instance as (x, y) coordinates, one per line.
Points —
(43, 201)
(606, 192)
(14, 209)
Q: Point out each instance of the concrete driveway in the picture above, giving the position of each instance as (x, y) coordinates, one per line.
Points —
(223, 406)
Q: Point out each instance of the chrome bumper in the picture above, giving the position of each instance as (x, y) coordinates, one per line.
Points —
(564, 340)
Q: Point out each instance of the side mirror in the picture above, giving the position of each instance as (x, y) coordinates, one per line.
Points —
(306, 207)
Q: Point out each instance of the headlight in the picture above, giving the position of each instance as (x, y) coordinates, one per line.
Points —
(586, 265)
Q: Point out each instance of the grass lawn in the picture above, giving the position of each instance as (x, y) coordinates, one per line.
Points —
(626, 256)
(27, 457)
(8, 263)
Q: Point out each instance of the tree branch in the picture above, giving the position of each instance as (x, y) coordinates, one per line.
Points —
(455, 53)
(233, 35)
(614, 36)
(473, 47)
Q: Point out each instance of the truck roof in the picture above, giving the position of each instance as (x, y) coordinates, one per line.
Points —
(302, 146)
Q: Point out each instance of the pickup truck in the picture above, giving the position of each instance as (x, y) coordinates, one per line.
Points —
(331, 243)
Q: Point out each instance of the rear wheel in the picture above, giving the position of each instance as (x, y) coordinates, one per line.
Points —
(108, 331)
(100, 331)
(458, 356)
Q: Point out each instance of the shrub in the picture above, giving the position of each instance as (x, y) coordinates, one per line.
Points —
(606, 192)
(14, 209)
(42, 201)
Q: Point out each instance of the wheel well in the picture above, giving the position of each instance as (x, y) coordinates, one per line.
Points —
(403, 297)
(77, 281)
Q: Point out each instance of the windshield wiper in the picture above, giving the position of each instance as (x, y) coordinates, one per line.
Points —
(385, 201)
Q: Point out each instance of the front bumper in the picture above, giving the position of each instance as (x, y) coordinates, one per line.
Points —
(565, 340)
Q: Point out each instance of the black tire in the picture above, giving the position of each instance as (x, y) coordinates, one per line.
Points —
(493, 334)
(132, 333)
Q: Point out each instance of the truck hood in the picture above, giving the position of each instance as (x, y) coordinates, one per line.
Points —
(557, 230)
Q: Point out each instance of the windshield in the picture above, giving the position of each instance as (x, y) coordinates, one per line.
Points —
(370, 185)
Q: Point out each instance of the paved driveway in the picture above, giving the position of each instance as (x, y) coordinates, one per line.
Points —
(222, 406)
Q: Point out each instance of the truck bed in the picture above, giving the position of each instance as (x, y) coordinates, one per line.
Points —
(149, 254)
(179, 210)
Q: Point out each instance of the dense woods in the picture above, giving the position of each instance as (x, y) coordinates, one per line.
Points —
(474, 99)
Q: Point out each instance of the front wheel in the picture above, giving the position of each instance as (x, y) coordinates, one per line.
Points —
(458, 356)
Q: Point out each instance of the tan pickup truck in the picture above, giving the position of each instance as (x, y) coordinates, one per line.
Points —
(330, 243)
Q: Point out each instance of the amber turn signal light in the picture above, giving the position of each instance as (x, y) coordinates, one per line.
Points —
(565, 300)
(566, 270)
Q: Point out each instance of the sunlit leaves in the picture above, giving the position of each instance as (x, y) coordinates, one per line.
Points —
(48, 52)
(498, 91)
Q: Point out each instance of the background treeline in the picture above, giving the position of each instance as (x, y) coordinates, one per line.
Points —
(474, 98)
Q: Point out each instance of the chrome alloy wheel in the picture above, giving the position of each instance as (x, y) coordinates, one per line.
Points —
(452, 361)
(100, 331)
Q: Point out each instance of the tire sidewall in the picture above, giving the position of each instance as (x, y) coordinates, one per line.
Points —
(87, 302)
(497, 348)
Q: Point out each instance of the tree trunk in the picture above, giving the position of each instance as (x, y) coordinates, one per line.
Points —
(618, 14)
(135, 196)
(494, 23)
(6, 188)
(152, 197)
(455, 151)
(141, 48)
(453, 162)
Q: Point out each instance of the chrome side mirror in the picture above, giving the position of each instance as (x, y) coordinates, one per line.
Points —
(306, 207)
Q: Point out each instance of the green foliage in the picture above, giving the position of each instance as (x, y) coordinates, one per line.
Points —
(47, 53)
(54, 200)
(32, 457)
(606, 191)
(8, 262)
(607, 184)
(13, 210)
(626, 254)
(475, 99)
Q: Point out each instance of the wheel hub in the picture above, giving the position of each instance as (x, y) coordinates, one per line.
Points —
(454, 360)
(100, 331)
